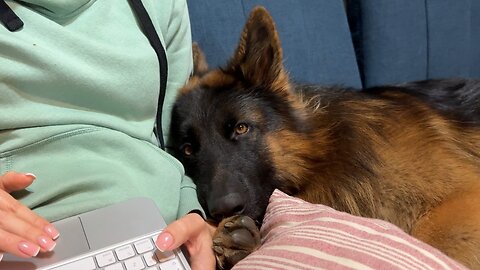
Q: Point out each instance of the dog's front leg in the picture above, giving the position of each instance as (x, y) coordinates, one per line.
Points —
(234, 239)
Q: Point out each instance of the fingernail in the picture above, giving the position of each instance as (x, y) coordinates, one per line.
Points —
(31, 175)
(1, 256)
(28, 248)
(51, 231)
(46, 243)
(164, 241)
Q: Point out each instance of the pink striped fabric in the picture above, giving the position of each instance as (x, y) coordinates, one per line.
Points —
(300, 235)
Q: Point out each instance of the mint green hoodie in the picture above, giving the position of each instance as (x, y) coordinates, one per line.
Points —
(78, 96)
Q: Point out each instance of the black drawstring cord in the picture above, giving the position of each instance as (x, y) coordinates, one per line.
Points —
(152, 36)
(8, 18)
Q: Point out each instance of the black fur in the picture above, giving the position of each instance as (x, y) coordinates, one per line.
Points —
(456, 99)
(216, 112)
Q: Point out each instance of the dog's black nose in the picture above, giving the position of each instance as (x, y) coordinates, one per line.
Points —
(229, 205)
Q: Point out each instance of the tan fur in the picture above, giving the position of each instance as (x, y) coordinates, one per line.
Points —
(200, 66)
(427, 174)
(252, 67)
(453, 227)
(210, 80)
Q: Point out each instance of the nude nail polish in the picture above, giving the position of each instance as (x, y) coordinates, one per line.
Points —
(51, 231)
(164, 241)
(28, 248)
(31, 175)
(46, 243)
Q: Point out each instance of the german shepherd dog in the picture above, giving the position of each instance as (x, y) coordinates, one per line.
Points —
(408, 154)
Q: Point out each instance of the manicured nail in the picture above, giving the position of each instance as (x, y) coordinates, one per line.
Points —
(28, 248)
(164, 241)
(1, 256)
(46, 243)
(51, 231)
(31, 175)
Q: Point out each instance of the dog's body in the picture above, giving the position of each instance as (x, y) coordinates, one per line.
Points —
(408, 154)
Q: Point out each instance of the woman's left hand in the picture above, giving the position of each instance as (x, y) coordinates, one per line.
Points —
(196, 235)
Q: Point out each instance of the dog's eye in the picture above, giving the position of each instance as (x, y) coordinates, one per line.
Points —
(187, 149)
(241, 128)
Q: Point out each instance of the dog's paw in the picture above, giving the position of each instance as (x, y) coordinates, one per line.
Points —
(234, 239)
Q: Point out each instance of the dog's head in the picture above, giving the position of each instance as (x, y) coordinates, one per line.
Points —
(227, 123)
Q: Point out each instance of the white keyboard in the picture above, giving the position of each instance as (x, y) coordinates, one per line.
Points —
(137, 254)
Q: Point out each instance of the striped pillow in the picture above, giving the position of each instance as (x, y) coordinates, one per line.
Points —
(300, 235)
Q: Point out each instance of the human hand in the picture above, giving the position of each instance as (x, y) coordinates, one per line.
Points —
(22, 232)
(196, 235)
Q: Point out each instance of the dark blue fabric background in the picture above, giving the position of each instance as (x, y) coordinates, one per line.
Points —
(393, 41)
(405, 40)
(315, 36)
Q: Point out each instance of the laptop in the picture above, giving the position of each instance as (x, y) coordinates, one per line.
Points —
(117, 237)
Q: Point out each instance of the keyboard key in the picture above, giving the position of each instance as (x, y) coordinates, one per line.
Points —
(105, 258)
(143, 246)
(171, 265)
(125, 252)
(117, 266)
(84, 264)
(135, 263)
(164, 256)
(150, 258)
(139, 255)
(154, 238)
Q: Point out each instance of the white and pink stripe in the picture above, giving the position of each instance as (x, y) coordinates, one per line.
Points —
(300, 235)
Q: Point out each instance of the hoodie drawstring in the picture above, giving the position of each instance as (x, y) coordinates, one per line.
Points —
(8, 18)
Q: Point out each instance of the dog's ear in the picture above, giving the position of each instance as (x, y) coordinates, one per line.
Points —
(200, 65)
(259, 54)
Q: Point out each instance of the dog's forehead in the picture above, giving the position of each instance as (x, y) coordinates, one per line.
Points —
(206, 103)
(214, 79)
(203, 92)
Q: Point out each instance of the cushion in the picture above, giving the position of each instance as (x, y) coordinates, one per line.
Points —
(315, 37)
(300, 235)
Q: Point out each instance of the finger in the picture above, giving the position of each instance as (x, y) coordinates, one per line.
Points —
(203, 257)
(9, 205)
(17, 246)
(212, 228)
(13, 224)
(13, 181)
(193, 232)
(180, 231)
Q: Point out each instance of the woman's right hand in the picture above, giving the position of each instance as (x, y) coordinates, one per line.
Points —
(22, 232)
(196, 235)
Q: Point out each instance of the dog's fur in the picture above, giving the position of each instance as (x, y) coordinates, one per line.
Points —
(408, 154)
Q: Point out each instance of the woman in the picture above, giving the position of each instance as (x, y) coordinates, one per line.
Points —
(78, 97)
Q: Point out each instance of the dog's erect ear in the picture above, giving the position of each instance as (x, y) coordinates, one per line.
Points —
(200, 66)
(259, 54)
